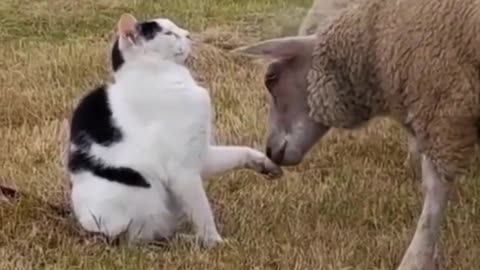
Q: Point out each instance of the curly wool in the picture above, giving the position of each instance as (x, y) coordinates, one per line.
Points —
(416, 61)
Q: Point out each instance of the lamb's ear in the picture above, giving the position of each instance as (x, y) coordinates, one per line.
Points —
(127, 30)
(286, 47)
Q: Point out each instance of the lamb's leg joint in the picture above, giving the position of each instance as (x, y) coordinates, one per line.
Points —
(413, 160)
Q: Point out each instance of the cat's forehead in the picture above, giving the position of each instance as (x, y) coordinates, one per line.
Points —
(168, 25)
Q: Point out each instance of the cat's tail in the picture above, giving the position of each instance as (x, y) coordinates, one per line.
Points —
(11, 195)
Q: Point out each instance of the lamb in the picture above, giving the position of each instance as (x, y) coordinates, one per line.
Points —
(319, 15)
(414, 61)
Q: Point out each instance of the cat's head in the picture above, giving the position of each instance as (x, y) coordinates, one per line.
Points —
(157, 38)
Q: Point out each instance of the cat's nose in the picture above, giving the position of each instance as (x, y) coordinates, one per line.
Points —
(188, 36)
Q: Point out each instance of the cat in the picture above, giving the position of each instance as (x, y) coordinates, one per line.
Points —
(139, 147)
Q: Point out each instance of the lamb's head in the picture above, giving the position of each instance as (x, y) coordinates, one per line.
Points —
(291, 131)
(158, 38)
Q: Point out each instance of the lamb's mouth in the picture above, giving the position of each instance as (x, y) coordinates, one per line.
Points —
(277, 156)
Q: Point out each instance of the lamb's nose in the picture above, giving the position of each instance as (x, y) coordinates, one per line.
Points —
(278, 155)
(281, 154)
(268, 152)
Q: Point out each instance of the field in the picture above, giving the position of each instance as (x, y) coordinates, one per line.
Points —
(352, 204)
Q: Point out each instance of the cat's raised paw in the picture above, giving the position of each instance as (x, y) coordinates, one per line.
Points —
(263, 165)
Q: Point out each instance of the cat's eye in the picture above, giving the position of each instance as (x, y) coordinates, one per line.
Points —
(169, 33)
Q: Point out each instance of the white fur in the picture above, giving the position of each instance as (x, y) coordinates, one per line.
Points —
(165, 118)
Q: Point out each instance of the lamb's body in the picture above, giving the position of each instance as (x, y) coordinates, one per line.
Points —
(418, 63)
(415, 61)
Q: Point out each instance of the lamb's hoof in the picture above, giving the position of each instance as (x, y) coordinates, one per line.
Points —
(419, 262)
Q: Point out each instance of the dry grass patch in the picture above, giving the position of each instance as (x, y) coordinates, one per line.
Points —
(350, 205)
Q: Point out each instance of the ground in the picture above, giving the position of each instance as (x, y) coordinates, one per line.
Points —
(350, 205)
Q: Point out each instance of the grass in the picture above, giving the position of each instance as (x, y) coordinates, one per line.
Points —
(350, 205)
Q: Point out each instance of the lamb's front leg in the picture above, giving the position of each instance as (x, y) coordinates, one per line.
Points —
(423, 250)
(221, 159)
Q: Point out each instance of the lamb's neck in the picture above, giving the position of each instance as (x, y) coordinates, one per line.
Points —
(346, 95)
(358, 44)
(359, 79)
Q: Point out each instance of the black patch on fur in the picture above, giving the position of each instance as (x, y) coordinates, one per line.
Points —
(92, 120)
(79, 161)
(148, 30)
(92, 123)
(117, 57)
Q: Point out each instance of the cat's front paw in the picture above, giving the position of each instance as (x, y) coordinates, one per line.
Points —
(211, 241)
(203, 241)
(260, 163)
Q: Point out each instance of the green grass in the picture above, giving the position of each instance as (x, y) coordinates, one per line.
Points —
(351, 204)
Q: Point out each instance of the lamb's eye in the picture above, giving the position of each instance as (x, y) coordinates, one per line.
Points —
(270, 79)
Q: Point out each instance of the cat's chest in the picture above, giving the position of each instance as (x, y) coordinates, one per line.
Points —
(170, 112)
(165, 99)
(180, 117)
(166, 143)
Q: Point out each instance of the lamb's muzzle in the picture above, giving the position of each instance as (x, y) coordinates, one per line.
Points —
(277, 156)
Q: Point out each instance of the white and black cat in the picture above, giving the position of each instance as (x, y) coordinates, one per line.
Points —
(140, 146)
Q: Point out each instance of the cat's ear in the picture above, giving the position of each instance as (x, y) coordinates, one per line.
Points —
(127, 30)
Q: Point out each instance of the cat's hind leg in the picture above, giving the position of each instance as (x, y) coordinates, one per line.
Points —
(117, 210)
